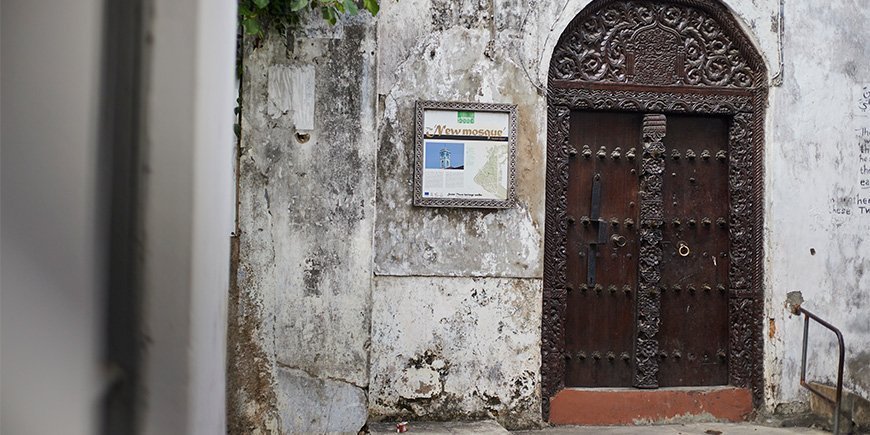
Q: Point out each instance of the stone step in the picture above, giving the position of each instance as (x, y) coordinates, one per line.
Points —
(628, 406)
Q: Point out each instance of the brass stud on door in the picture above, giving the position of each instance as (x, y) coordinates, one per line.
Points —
(616, 154)
(705, 154)
(611, 356)
(675, 154)
(706, 221)
(612, 289)
(721, 222)
(572, 152)
(602, 153)
(584, 220)
(720, 155)
(596, 355)
(707, 288)
(625, 357)
(629, 222)
(630, 154)
(587, 152)
(581, 355)
(692, 222)
(626, 289)
(690, 154)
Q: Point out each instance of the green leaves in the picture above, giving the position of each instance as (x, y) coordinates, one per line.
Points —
(350, 7)
(258, 16)
(251, 26)
(372, 6)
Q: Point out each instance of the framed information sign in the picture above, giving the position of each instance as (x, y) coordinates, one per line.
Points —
(465, 155)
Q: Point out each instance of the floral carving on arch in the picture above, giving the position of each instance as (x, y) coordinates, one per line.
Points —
(691, 43)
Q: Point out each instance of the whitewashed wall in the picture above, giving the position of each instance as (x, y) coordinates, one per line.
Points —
(443, 285)
(817, 235)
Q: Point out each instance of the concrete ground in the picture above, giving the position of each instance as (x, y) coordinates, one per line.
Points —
(493, 428)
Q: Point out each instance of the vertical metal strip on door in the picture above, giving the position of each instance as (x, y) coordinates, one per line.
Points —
(648, 301)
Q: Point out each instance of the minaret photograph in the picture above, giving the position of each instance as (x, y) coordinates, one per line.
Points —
(445, 158)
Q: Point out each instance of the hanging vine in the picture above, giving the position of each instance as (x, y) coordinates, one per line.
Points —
(257, 17)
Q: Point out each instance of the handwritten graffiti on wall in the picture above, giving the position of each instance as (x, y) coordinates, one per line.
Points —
(864, 100)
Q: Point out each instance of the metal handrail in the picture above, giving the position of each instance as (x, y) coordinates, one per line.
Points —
(839, 395)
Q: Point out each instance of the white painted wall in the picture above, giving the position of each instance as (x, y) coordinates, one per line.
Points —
(188, 213)
(53, 223)
(499, 51)
(814, 164)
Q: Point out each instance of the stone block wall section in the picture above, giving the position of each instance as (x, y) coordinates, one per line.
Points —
(350, 304)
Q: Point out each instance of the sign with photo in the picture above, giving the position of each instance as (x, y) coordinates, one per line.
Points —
(465, 155)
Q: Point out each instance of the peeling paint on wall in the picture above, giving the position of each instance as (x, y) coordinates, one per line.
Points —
(351, 297)
(306, 211)
(456, 348)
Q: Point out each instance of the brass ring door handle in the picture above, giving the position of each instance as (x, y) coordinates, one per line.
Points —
(684, 250)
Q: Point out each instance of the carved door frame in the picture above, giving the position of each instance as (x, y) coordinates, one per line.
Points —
(598, 65)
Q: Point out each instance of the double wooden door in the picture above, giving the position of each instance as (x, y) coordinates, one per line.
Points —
(648, 250)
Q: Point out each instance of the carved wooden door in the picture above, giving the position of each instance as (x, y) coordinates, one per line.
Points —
(647, 241)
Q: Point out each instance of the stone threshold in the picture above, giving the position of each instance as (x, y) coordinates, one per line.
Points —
(627, 406)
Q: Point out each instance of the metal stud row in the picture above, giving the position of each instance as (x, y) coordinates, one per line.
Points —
(705, 154)
(598, 288)
(721, 222)
(616, 154)
(693, 288)
(676, 354)
(628, 222)
(596, 356)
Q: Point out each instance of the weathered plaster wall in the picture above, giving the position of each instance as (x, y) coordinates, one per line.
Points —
(456, 348)
(818, 237)
(306, 210)
(352, 301)
(456, 302)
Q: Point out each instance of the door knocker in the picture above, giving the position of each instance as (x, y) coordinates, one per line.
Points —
(618, 240)
(683, 249)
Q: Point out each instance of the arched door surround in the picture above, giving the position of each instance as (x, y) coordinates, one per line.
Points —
(661, 61)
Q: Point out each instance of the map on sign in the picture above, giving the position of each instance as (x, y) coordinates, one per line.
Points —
(465, 155)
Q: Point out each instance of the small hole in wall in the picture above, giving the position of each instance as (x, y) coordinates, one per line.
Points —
(812, 251)
(432, 54)
(302, 137)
